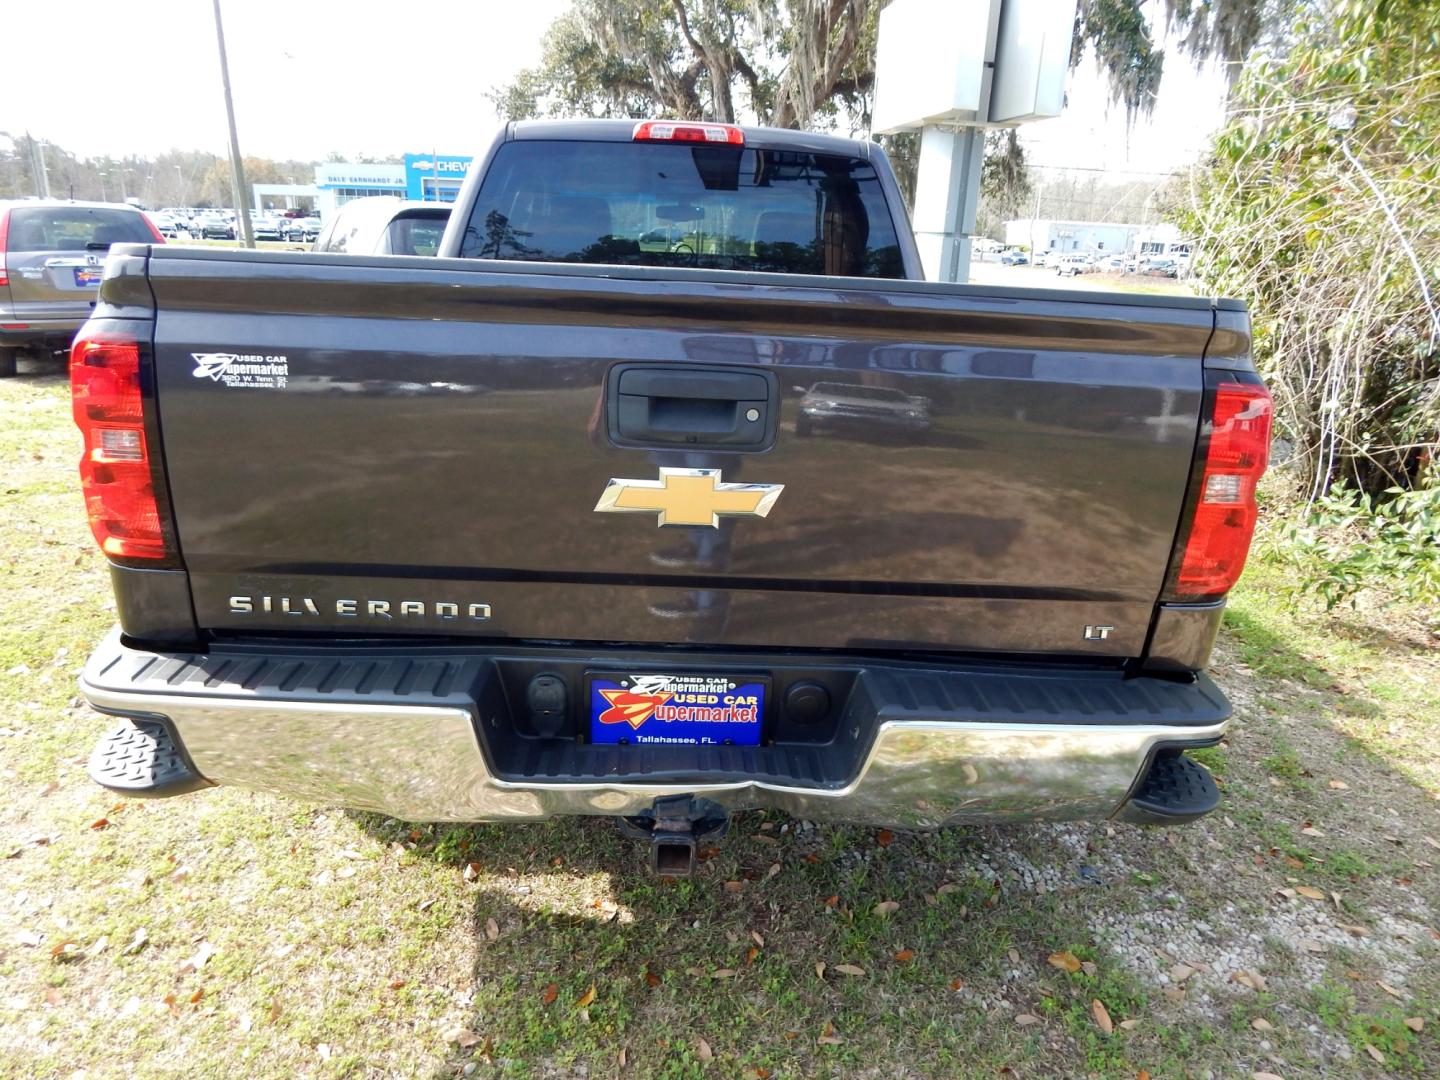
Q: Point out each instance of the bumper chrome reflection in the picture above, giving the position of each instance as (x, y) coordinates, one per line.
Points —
(424, 763)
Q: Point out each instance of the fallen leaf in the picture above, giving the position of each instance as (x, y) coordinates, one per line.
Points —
(703, 1051)
(750, 954)
(957, 984)
(1180, 972)
(755, 937)
(169, 1000)
(52, 996)
(1254, 980)
(1065, 961)
(885, 838)
(831, 901)
(549, 994)
(1354, 931)
(1310, 830)
(1261, 1024)
(1390, 989)
(1014, 955)
(621, 1057)
(1089, 967)
(464, 1036)
(1415, 1023)
(828, 1036)
(396, 984)
(64, 949)
(138, 941)
(1129, 1025)
(651, 979)
(492, 929)
(586, 998)
(1175, 994)
(1309, 893)
(99, 823)
(1310, 945)
(1294, 863)
(734, 886)
(947, 888)
(471, 871)
(1102, 1017)
(760, 1073)
(1375, 1054)
(1026, 1019)
(1266, 1076)
(904, 956)
(820, 969)
(850, 969)
(274, 1011)
(1432, 842)
(1339, 785)
(723, 973)
(886, 907)
(197, 995)
(790, 1036)
(199, 960)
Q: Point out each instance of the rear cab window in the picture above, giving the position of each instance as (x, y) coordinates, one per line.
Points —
(679, 205)
(74, 228)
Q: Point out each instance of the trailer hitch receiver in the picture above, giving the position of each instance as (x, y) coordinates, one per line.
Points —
(674, 826)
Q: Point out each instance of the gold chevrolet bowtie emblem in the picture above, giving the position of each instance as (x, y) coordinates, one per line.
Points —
(688, 497)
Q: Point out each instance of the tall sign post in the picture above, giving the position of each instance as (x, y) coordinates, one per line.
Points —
(237, 164)
(951, 70)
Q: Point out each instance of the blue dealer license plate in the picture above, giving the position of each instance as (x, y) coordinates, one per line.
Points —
(693, 710)
(87, 276)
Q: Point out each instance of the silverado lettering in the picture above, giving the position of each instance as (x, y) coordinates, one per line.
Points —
(305, 605)
(1009, 525)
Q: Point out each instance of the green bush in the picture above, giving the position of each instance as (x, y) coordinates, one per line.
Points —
(1352, 541)
(1318, 207)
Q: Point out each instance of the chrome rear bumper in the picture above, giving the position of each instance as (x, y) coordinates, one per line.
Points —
(428, 762)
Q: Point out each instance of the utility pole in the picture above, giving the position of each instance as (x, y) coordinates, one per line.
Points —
(42, 174)
(237, 166)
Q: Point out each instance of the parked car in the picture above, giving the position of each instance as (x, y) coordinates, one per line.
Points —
(304, 229)
(215, 227)
(1161, 268)
(1042, 258)
(52, 252)
(1071, 265)
(265, 227)
(856, 406)
(436, 605)
(383, 225)
(1014, 258)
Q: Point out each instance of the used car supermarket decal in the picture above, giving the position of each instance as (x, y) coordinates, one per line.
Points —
(687, 709)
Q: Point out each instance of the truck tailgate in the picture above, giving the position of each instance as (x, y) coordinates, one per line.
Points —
(405, 446)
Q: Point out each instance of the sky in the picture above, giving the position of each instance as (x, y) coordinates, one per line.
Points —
(383, 78)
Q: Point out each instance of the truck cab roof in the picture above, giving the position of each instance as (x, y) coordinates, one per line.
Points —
(758, 138)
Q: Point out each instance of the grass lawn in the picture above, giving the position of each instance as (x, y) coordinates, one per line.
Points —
(233, 934)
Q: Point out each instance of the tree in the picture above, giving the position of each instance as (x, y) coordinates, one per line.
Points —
(1317, 206)
(790, 63)
(811, 63)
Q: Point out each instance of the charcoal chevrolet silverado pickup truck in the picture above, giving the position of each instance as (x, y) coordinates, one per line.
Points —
(531, 528)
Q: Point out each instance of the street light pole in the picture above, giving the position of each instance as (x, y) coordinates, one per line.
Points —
(180, 179)
(237, 166)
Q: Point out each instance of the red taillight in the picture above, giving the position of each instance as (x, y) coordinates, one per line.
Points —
(154, 231)
(115, 469)
(1225, 512)
(4, 238)
(674, 131)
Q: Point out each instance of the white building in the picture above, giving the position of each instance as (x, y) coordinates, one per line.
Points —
(1064, 237)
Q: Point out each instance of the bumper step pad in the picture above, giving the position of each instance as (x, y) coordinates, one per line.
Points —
(1174, 791)
(140, 758)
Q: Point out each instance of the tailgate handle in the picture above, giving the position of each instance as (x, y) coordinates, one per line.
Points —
(695, 407)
